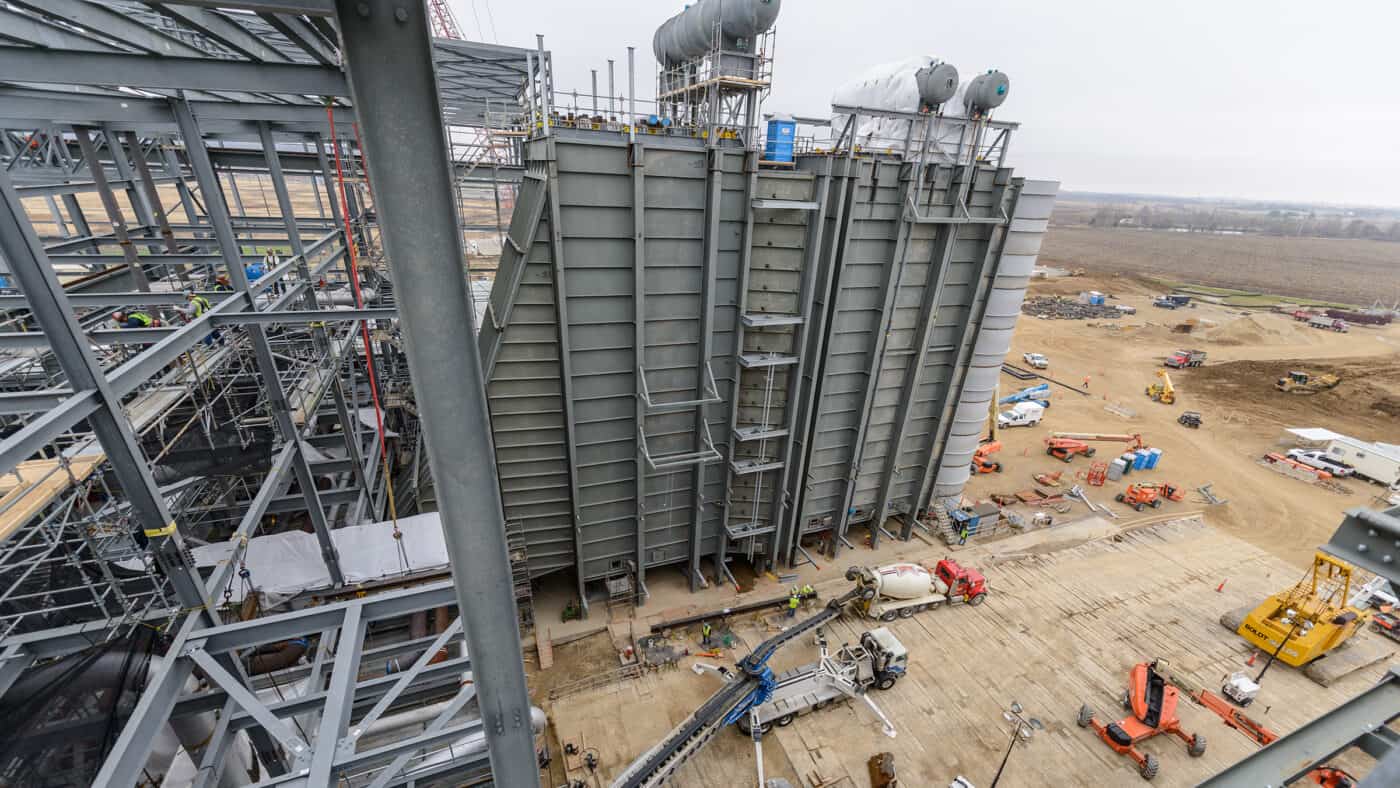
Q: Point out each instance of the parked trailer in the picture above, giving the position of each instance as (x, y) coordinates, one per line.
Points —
(876, 662)
(1370, 318)
(901, 590)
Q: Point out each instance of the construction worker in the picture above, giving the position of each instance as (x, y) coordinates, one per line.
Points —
(808, 591)
(1086, 382)
(195, 306)
(962, 535)
(270, 261)
(793, 602)
(134, 320)
(705, 631)
(221, 284)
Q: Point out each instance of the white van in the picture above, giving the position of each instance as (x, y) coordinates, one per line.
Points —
(1024, 414)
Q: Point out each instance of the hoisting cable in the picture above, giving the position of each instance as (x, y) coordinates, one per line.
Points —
(364, 333)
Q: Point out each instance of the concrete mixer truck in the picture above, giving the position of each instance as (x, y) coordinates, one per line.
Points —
(901, 590)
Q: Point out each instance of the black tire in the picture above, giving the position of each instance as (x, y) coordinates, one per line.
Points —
(978, 599)
(1197, 748)
(1068, 458)
(888, 615)
(1119, 498)
(1139, 506)
(785, 720)
(1089, 452)
(852, 573)
(1149, 767)
(1157, 504)
(884, 683)
(907, 612)
(821, 704)
(1086, 715)
(996, 467)
(1050, 451)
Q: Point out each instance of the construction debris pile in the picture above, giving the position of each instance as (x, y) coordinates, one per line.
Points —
(1059, 308)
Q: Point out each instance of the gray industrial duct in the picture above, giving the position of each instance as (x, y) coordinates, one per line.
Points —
(690, 33)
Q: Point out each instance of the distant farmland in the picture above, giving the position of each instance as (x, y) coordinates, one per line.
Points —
(1353, 271)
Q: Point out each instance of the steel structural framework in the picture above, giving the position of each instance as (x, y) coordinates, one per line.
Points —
(149, 151)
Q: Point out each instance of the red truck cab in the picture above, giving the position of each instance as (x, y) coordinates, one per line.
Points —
(961, 581)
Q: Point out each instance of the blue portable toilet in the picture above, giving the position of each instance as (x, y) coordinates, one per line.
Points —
(1139, 459)
(782, 131)
(1153, 455)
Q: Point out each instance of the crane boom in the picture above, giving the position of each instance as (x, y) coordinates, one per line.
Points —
(1098, 436)
(744, 688)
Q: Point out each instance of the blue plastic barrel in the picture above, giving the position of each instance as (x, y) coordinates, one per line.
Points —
(781, 134)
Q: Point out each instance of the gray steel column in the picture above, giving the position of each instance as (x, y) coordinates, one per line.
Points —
(133, 195)
(705, 340)
(75, 214)
(389, 61)
(894, 277)
(109, 203)
(172, 168)
(289, 221)
(152, 196)
(636, 160)
(267, 366)
(566, 373)
(57, 216)
(21, 248)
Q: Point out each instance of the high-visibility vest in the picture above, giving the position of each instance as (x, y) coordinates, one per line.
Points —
(792, 603)
(201, 305)
(141, 317)
(705, 630)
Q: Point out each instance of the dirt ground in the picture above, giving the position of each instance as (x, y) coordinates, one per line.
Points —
(1244, 415)
(1350, 271)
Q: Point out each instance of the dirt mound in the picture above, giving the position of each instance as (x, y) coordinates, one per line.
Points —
(1365, 404)
(1255, 330)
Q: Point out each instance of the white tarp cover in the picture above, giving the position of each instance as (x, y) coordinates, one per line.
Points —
(891, 86)
(283, 565)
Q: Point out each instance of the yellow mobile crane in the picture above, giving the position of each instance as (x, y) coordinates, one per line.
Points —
(1304, 622)
(1163, 392)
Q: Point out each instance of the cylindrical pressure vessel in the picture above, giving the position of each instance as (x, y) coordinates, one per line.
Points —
(904, 581)
(937, 83)
(986, 92)
(690, 33)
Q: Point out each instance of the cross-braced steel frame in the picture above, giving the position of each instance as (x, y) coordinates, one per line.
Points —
(152, 156)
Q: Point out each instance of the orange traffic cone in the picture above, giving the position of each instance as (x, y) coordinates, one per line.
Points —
(1252, 656)
(1221, 587)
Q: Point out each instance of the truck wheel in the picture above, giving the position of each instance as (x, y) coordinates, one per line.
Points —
(1118, 497)
(821, 704)
(1089, 452)
(1198, 746)
(1139, 506)
(1157, 504)
(978, 599)
(1086, 715)
(852, 573)
(888, 615)
(884, 683)
(1068, 458)
(996, 467)
(907, 612)
(785, 720)
(1148, 770)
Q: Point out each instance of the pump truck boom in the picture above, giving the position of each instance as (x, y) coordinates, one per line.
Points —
(750, 684)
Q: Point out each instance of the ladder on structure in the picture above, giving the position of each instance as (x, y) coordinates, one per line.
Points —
(520, 574)
(622, 592)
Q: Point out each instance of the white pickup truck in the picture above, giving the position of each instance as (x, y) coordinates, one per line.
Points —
(1036, 360)
(1024, 414)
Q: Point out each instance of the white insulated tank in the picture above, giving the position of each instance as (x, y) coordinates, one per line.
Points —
(907, 581)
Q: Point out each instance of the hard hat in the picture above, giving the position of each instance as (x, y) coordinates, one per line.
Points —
(118, 315)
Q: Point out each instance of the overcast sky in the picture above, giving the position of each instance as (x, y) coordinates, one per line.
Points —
(1277, 99)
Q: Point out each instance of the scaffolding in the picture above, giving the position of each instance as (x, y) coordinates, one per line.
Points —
(205, 173)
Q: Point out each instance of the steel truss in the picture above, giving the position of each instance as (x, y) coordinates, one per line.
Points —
(152, 149)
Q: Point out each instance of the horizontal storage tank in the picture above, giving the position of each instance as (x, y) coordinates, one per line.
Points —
(690, 34)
